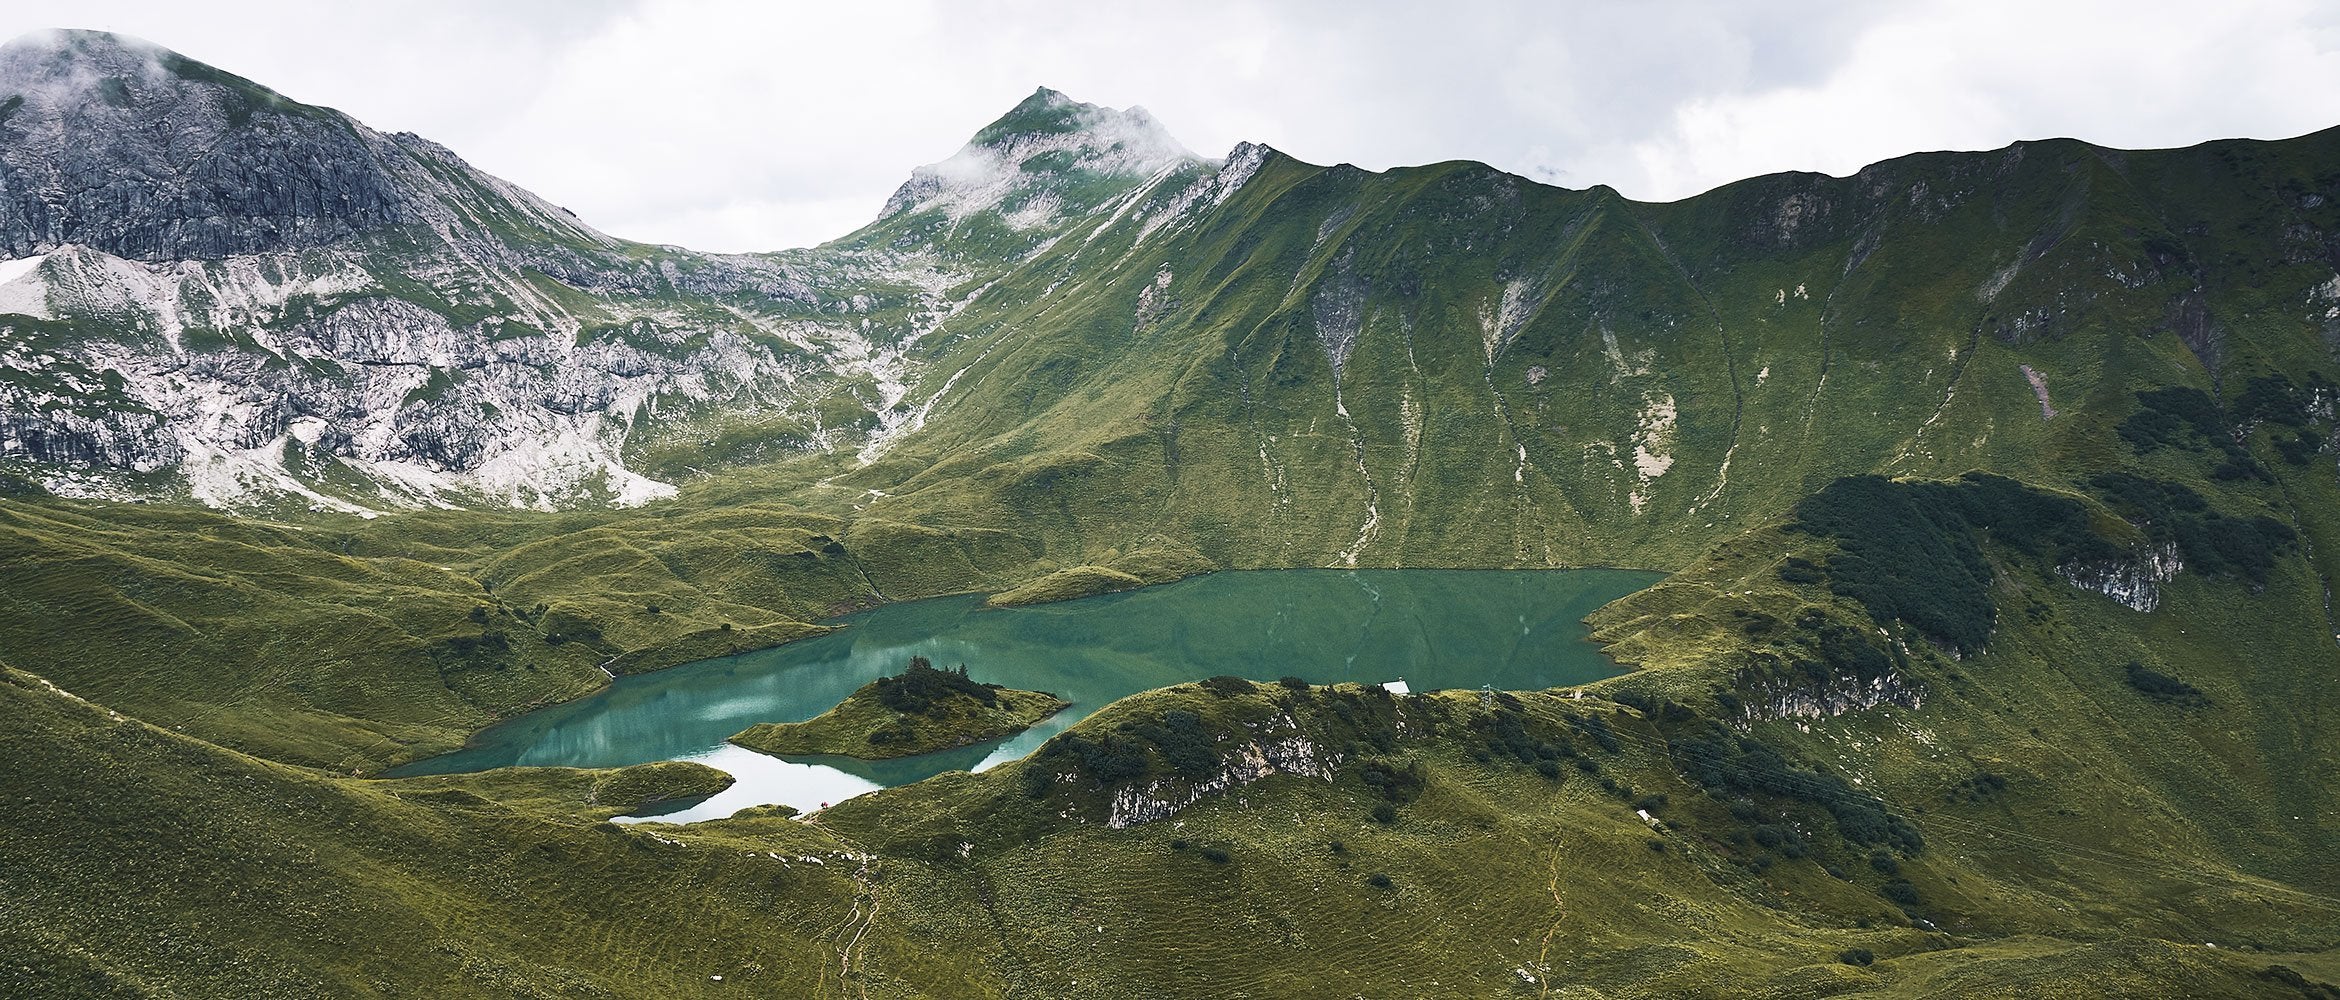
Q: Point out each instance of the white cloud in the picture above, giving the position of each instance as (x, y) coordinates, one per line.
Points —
(1977, 75)
(735, 125)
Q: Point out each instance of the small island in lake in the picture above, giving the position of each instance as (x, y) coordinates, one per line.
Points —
(920, 710)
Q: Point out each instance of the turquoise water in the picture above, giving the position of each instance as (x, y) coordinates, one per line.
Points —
(1509, 629)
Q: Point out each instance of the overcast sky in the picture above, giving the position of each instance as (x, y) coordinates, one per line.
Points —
(738, 125)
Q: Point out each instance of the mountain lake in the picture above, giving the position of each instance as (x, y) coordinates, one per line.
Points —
(1430, 629)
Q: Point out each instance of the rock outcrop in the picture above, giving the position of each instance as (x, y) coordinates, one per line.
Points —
(2135, 582)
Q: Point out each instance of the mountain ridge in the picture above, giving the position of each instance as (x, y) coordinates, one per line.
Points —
(810, 357)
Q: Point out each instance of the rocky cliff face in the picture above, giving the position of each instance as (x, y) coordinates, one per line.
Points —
(2135, 582)
(215, 292)
(111, 144)
(1286, 752)
(1828, 696)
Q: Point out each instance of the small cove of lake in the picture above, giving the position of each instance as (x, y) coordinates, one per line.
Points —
(1434, 629)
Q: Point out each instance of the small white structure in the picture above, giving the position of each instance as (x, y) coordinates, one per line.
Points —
(1397, 687)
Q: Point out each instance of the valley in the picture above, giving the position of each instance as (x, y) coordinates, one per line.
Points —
(374, 535)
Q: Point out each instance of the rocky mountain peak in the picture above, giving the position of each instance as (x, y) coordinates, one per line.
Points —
(1050, 113)
(113, 143)
(70, 55)
(1047, 157)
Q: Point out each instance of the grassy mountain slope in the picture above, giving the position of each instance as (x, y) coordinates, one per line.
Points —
(1577, 378)
(142, 863)
(2067, 831)
(359, 645)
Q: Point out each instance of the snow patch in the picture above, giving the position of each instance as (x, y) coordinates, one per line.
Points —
(10, 270)
(22, 297)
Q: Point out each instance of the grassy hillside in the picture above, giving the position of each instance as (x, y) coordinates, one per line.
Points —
(2023, 818)
(139, 862)
(354, 645)
(1447, 365)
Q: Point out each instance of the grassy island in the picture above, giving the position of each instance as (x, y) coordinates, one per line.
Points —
(920, 710)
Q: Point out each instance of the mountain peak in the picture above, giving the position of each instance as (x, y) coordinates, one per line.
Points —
(71, 67)
(98, 134)
(79, 42)
(59, 62)
(1048, 155)
(1051, 113)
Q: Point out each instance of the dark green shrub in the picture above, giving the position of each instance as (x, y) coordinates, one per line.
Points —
(1857, 956)
(1393, 782)
(2301, 448)
(2272, 399)
(1228, 685)
(1982, 785)
(1597, 728)
(2176, 417)
(1385, 814)
(920, 688)
(1728, 763)
(1293, 683)
(1798, 569)
(1184, 744)
(1380, 881)
(1912, 551)
(1214, 855)
(1108, 759)
(2162, 687)
(2210, 543)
